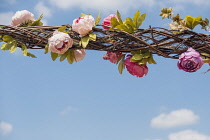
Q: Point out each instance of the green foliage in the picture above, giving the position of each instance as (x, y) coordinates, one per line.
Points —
(54, 56)
(176, 18)
(191, 22)
(62, 28)
(82, 15)
(37, 22)
(121, 65)
(166, 12)
(129, 25)
(142, 57)
(7, 38)
(84, 41)
(70, 56)
(46, 49)
(98, 19)
(138, 19)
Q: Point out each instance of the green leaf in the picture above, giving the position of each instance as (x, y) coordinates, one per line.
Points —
(54, 56)
(140, 20)
(114, 22)
(92, 36)
(13, 48)
(25, 52)
(137, 56)
(31, 55)
(7, 38)
(191, 22)
(120, 58)
(135, 18)
(98, 18)
(119, 17)
(62, 29)
(63, 56)
(46, 49)
(7, 46)
(130, 22)
(121, 66)
(82, 15)
(37, 22)
(85, 41)
(70, 56)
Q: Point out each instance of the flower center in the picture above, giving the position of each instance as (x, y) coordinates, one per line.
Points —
(77, 21)
(190, 65)
(63, 46)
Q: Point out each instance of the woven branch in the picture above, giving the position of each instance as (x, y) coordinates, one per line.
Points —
(160, 41)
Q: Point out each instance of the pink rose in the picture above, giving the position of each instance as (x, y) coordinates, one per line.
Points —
(134, 68)
(107, 21)
(83, 25)
(60, 42)
(112, 56)
(190, 61)
(79, 54)
(22, 17)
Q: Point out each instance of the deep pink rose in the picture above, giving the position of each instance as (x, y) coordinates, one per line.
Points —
(112, 56)
(134, 68)
(190, 61)
(22, 17)
(107, 21)
(79, 54)
(83, 25)
(60, 42)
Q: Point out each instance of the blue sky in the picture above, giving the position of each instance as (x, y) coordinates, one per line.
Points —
(90, 100)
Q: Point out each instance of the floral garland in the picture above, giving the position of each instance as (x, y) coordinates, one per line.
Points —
(135, 62)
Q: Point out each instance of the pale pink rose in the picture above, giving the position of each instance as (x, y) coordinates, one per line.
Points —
(83, 25)
(107, 21)
(112, 56)
(60, 42)
(22, 17)
(134, 68)
(79, 54)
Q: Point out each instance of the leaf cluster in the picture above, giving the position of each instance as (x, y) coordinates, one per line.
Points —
(142, 57)
(130, 24)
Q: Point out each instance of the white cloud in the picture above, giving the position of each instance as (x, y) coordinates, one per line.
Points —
(6, 18)
(175, 118)
(108, 5)
(125, 5)
(40, 8)
(5, 128)
(188, 135)
(67, 110)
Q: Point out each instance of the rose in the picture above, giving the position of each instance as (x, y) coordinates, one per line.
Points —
(190, 61)
(79, 54)
(112, 56)
(60, 42)
(83, 25)
(134, 68)
(22, 17)
(107, 21)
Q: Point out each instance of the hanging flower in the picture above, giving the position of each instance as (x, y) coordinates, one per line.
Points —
(107, 21)
(190, 61)
(22, 17)
(60, 42)
(134, 68)
(79, 54)
(112, 56)
(83, 25)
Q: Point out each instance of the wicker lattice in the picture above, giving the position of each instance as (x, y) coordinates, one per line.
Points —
(164, 42)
